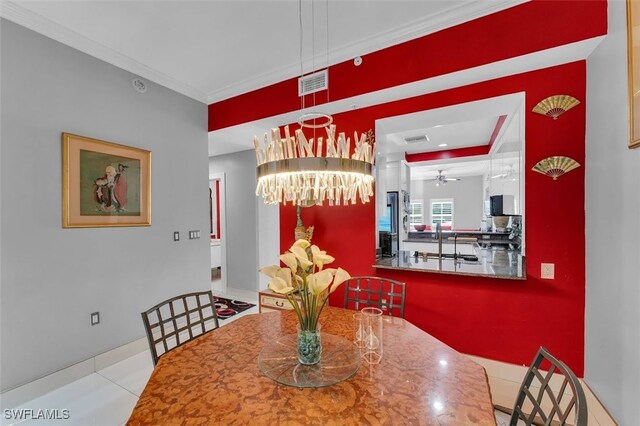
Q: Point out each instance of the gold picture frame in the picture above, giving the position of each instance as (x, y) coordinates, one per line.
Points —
(633, 46)
(104, 184)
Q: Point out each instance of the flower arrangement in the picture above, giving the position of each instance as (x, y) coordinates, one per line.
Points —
(304, 273)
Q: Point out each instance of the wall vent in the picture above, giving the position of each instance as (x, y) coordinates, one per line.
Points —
(313, 83)
(415, 139)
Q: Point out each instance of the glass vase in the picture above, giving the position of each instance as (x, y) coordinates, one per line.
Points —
(309, 346)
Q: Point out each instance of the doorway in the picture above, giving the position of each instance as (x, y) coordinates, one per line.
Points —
(217, 232)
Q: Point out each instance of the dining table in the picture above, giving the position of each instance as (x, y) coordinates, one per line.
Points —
(216, 379)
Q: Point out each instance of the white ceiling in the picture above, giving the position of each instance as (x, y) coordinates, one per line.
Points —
(212, 50)
(504, 155)
(459, 126)
(441, 137)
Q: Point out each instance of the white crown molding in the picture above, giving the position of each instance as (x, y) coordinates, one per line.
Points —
(421, 27)
(427, 25)
(24, 17)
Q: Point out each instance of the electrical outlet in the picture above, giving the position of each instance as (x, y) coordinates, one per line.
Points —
(95, 318)
(176, 236)
(547, 271)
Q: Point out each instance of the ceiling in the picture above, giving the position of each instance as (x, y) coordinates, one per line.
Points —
(461, 169)
(441, 137)
(213, 50)
(457, 126)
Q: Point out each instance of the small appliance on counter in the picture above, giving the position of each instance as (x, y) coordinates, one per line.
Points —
(388, 243)
(502, 205)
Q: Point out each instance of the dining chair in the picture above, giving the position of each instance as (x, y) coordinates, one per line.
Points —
(383, 293)
(553, 397)
(178, 320)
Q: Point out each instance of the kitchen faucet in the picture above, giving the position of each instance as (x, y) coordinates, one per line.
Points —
(439, 237)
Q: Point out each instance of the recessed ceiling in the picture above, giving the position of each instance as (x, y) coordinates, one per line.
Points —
(505, 154)
(457, 126)
(444, 137)
(212, 50)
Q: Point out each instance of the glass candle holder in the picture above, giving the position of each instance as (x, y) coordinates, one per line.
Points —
(372, 320)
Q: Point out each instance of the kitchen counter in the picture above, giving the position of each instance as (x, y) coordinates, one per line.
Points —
(492, 262)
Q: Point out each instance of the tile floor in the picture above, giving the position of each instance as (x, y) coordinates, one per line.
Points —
(107, 397)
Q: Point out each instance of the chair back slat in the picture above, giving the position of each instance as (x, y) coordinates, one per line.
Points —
(383, 293)
(540, 399)
(179, 320)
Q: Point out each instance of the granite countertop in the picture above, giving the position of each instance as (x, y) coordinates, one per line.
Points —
(492, 262)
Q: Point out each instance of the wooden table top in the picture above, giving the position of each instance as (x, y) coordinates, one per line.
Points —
(215, 380)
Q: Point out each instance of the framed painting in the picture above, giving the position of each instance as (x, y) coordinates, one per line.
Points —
(104, 184)
(633, 46)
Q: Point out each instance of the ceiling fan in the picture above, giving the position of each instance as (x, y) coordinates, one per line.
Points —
(442, 179)
(509, 175)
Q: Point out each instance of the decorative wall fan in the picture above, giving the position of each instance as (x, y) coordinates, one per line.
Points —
(556, 105)
(442, 179)
(554, 167)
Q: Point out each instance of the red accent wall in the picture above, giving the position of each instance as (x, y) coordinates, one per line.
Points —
(526, 28)
(505, 320)
(498, 319)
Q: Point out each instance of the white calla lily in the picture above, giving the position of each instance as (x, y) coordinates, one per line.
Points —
(319, 282)
(279, 285)
(285, 274)
(301, 255)
(290, 260)
(320, 257)
(302, 243)
(304, 272)
(341, 276)
(269, 271)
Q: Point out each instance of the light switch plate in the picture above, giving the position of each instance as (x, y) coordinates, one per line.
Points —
(176, 236)
(95, 318)
(547, 271)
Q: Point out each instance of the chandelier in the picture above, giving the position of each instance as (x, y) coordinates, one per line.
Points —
(310, 172)
(307, 172)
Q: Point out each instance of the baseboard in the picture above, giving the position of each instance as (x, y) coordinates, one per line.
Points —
(18, 396)
(121, 353)
(505, 380)
(36, 388)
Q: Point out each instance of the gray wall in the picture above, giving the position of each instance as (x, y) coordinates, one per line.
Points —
(240, 210)
(467, 196)
(612, 335)
(52, 278)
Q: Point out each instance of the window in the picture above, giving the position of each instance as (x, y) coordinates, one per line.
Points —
(416, 216)
(442, 212)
